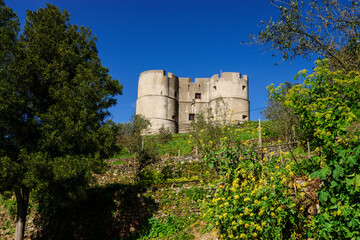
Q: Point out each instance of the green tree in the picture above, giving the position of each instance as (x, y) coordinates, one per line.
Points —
(326, 28)
(54, 101)
(131, 132)
(283, 122)
(326, 103)
(9, 28)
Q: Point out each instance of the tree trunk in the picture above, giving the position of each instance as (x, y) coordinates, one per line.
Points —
(22, 200)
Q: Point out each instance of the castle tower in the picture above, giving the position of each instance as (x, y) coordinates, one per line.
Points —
(233, 89)
(158, 99)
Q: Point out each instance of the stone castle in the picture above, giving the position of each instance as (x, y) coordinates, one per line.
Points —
(173, 102)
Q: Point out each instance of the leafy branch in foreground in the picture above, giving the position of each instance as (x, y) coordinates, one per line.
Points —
(327, 28)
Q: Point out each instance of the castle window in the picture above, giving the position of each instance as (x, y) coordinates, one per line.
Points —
(244, 117)
(243, 88)
(197, 95)
(191, 116)
(215, 87)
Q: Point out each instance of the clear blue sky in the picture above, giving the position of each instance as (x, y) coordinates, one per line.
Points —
(190, 38)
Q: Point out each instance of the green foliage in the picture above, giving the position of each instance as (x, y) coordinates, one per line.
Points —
(329, 28)
(130, 134)
(339, 198)
(148, 177)
(257, 203)
(224, 153)
(253, 199)
(207, 125)
(327, 103)
(9, 29)
(8, 202)
(172, 227)
(195, 193)
(178, 141)
(283, 122)
(164, 135)
(54, 99)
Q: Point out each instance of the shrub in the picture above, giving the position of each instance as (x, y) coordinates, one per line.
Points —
(256, 204)
(327, 103)
(165, 135)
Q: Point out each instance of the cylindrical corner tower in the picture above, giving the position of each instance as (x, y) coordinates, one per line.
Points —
(158, 99)
(233, 89)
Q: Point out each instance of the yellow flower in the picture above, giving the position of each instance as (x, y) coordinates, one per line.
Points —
(242, 235)
(246, 225)
(254, 234)
(279, 141)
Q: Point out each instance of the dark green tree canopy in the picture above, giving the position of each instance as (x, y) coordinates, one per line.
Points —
(57, 94)
(326, 28)
(54, 96)
(9, 28)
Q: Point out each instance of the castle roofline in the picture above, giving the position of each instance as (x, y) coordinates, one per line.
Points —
(158, 72)
(162, 72)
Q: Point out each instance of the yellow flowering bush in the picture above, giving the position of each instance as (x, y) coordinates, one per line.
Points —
(328, 106)
(256, 205)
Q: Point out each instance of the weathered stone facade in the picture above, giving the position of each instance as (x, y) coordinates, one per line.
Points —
(173, 102)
